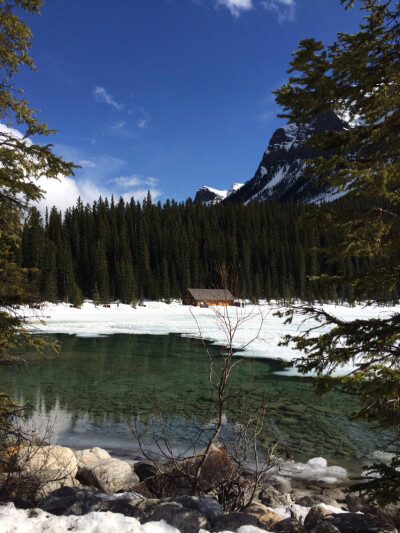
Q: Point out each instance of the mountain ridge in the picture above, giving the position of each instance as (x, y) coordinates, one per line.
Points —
(280, 174)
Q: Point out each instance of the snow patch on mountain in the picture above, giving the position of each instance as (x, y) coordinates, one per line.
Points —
(209, 195)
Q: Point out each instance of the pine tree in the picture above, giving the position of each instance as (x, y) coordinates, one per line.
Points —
(358, 76)
(19, 158)
(22, 163)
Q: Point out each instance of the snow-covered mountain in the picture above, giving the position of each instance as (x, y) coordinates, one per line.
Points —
(280, 175)
(208, 195)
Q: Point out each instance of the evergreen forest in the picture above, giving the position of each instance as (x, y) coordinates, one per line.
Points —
(129, 251)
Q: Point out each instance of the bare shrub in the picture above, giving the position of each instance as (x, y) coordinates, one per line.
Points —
(230, 466)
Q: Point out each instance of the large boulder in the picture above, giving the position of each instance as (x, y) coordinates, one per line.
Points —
(108, 475)
(90, 455)
(38, 458)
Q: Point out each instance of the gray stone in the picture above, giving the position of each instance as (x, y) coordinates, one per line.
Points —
(271, 497)
(206, 505)
(67, 501)
(289, 525)
(233, 521)
(314, 516)
(123, 506)
(337, 494)
(355, 502)
(184, 519)
(358, 523)
(315, 499)
(144, 469)
(281, 484)
(325, 528)
(108, 475)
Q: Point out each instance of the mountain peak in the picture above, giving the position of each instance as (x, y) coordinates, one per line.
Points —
(209, 195)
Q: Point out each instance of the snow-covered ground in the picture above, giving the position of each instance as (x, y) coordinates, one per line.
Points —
(14, 520)
(259, 324)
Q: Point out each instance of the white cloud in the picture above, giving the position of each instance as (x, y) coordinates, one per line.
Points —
(143, 119)
(102, 96)
(134, 181)
(118, 125)
(136, 186)
(91, 180)
(63, 193)
(285, 9)
(236, 7)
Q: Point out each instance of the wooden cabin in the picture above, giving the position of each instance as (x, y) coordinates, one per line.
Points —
(206, 297)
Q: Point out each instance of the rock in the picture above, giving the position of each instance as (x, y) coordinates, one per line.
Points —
(144, 469)
(108, 475)
(318, 462)
(206, 504)
(357, 523)
(67, 500)
(147, 490)
(315, 499)
(281, 484)
(325, 528)
(266, 516)
(273, 498)
(88, 456)
(355, 502)
(176, 481)
(123, 506)
(184, 519)
(289, 525)
(233, 521)
(298, 512)
(29, 489)
(36, 458)
(335, 494)
(314, 516)
(390, 513)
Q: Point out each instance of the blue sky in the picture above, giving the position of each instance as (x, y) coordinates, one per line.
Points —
(166, 95)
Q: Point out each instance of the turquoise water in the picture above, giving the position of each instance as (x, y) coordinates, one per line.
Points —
(93, 387)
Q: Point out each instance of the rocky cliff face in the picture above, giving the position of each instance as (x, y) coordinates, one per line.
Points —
(280, 175)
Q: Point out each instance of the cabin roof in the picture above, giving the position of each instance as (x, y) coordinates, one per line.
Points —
(211, 294)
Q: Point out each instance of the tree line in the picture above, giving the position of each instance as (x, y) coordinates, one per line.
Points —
(129, 251)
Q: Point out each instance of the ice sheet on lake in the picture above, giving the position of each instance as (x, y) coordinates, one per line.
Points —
(158, 318)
